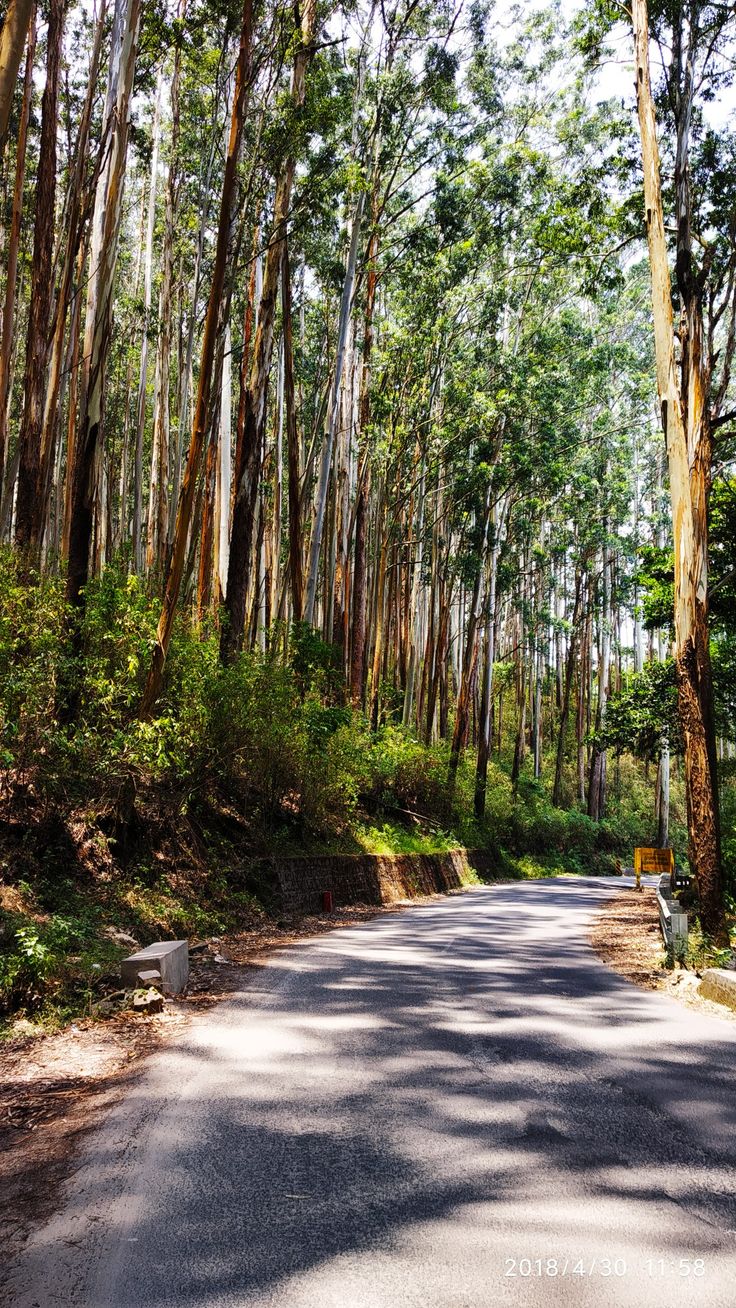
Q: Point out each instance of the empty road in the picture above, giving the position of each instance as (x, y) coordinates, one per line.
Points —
(455, 1106)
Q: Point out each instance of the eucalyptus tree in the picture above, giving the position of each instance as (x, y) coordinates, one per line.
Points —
(687, 159)
(31, 481)
(189, 483)
(85, 471)
(13, 35)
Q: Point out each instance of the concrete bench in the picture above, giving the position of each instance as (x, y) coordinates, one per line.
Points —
(168, 957)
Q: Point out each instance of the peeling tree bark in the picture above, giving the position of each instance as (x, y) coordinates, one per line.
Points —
(31, 501)
(683, 397)
(11, 271)
(12, 40)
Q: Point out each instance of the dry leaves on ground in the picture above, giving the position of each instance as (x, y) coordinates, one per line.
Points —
(626, 935)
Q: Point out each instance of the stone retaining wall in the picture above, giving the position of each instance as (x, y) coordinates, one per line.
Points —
(296, 885)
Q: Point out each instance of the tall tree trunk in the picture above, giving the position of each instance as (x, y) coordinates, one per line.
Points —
(520, 745)
(566, 692)
(333, 411)
(684, 403)
(415, 614)
(103, 261)
(663, 799)
(597, 781)
(11, 271)
(194, 457)
(462, 708)
(486, 693)
(76, 208)
(12, 40)
(583, 693)
(380, 612)
(360, 576)
(205, 592)
(31, 502)
(75, 333)
(224, 473)
(292, 445)
(143, 374)
(251, 421)
(158, 515)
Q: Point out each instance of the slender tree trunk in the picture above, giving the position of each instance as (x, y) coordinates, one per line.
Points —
(75, 333)
(520, 746)
(194, 457)
(684, 403)
(12, 40)
(486, 694)
(224, 471)
(462, 708)
(334, 409)
(103, 260)
(207, 528)
(380, 622)
(292, 446)
(415, 615)
(11, 272)
(597, 782)
(360, 579)
(663, 799)
(583, 689)
(31, 502)
(143, 374)
(158, 513)
(76, 208)
(566, 693)
(249, 449)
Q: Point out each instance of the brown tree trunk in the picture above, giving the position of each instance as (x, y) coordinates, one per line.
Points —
(566, 692)
(158, 523)
(520, 746)
(11, 272)
(194, 456)
(207, 530)
(292, 445)
(684, 402)
(76, 210)
(462, 709)
(108, 214)
(251, 420)
(12, 40)
(31, 501)
(360, 577)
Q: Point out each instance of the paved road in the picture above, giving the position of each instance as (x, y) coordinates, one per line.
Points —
(456, 1106)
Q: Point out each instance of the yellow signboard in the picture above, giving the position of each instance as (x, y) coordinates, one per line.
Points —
(654, 862)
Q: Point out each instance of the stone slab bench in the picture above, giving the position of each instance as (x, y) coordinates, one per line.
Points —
(170, 958)
(719, 983)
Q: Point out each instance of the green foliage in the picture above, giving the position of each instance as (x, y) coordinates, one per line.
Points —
(642, 717)
(269, 739)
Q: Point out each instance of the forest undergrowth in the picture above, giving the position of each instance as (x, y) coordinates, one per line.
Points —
(147, 828)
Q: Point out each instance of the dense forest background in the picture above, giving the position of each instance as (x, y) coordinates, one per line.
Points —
(335, 507)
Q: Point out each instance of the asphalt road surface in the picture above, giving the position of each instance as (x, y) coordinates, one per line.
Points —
(456, 1106)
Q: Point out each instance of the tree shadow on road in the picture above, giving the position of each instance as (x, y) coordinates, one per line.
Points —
(437, 1067)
